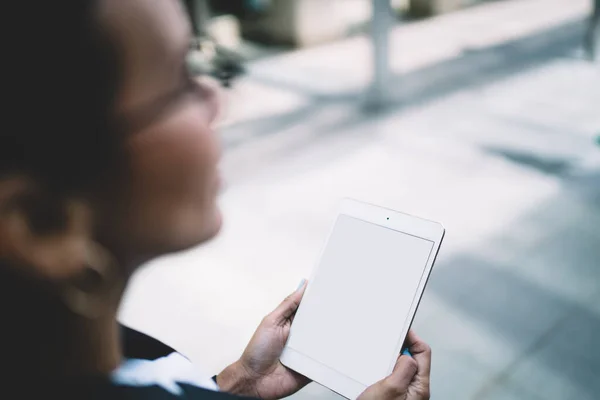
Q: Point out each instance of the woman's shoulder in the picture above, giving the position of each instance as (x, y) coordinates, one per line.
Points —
(107, 390)
(139, 345)
(103, 389)
(147, 376)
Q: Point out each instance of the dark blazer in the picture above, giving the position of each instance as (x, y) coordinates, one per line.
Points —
(135, 345)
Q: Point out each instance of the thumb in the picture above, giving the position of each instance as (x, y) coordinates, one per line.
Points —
(403, 373)
(286, 310)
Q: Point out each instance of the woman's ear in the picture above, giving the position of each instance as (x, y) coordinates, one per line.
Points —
(42, 232)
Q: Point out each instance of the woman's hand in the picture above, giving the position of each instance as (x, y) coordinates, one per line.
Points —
(259, 373)
(410, 378)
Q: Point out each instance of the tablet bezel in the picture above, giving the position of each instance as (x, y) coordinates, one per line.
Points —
(391, 219)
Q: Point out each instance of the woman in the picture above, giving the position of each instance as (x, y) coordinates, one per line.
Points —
(107, 160)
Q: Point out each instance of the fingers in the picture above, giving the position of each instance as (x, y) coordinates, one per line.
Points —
(421, 352)
(411, 371)
(286, 310)
(404, 372)
(410, 377)
(395, 386)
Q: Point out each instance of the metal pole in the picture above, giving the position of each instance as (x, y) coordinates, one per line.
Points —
(381, 22)
(199, 15)
(592, 37)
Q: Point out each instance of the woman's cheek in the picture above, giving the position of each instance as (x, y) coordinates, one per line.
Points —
(180, 153)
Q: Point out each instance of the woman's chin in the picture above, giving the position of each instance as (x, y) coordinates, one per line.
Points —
(213, 225)
(201, 232)
(217, 223)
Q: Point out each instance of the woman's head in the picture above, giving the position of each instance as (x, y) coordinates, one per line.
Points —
(108, 137)
(167, 201)
(107, 158)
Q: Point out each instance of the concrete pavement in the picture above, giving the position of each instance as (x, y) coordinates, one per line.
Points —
(495, 139)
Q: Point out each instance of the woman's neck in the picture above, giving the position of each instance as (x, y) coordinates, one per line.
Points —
(94, 348)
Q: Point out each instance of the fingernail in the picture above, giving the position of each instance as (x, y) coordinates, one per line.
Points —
(406, 353)
(302, 282)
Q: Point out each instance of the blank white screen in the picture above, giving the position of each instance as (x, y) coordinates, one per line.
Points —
(360, 298)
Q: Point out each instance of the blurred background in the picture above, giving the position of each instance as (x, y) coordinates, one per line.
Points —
(483, 115)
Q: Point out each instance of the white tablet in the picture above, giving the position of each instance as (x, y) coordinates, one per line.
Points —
(362, 297)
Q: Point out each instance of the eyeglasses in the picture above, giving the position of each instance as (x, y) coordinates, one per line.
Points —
(208, 58)
(146, 114)
(204, 58)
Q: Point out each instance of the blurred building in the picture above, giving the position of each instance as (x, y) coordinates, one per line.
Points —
(303, 22)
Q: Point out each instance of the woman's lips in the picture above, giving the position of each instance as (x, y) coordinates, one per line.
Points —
(219, 185)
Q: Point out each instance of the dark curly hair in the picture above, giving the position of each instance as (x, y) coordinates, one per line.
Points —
(59, 77)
